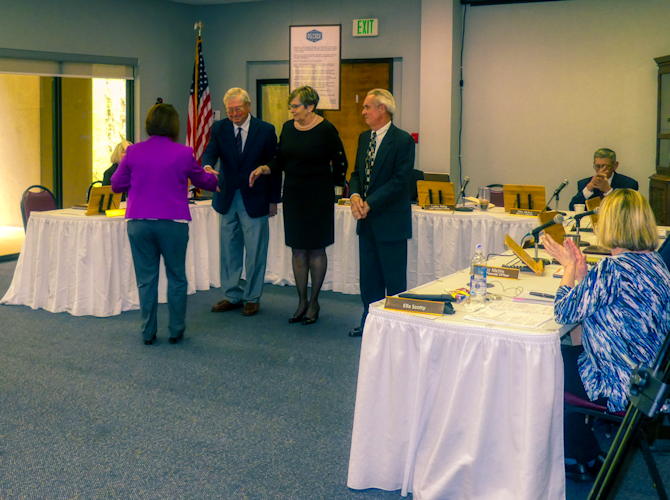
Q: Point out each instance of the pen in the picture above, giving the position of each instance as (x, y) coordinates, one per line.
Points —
(543, 295)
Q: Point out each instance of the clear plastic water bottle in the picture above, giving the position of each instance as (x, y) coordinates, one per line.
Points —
(478, 279)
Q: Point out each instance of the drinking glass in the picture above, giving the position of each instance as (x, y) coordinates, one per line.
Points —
(484, 197)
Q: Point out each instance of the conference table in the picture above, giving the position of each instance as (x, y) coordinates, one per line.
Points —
(82, 264)
(448, 408)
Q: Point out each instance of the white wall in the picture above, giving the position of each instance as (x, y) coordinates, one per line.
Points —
(440, 93)
(546, 84)
(236, 34)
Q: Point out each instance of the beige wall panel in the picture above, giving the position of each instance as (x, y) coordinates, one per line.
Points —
(77, 145)
(46, 132)
(19, 143)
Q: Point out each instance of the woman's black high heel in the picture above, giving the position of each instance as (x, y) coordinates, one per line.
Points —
(296, 319)
(310, 321)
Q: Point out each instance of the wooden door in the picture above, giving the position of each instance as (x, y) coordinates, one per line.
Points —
(357, 79)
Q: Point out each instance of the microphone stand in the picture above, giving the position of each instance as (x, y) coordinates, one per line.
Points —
(461, 209)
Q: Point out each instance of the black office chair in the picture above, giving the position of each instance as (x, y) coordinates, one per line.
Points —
(497, 195)
(40, 201)
(640, 428)
(417, 175)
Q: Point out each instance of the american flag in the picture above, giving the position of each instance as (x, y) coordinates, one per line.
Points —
(200, 117)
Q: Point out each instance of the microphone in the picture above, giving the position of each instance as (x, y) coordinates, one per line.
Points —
(560, 188)
(460, 194)
(584, 214)
(465, 183)
(558, 219)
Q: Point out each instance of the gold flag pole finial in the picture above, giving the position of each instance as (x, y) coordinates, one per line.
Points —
(198, 26)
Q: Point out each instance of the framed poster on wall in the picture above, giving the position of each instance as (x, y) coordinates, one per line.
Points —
(314, 60)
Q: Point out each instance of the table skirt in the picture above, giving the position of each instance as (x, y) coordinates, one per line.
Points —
(457, 411)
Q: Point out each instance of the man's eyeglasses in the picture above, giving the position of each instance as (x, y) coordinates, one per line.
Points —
(602, 168)
(234, 111)
(294, 106)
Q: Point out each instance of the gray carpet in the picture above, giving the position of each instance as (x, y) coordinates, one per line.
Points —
(244, 408)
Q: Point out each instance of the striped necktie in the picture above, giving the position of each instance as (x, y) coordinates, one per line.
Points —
(370, 160)
(238, 140)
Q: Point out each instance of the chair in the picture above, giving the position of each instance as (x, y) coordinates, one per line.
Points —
(417, 175)
(36, 202)
(497, 195)
(88, 192)
(643, 429)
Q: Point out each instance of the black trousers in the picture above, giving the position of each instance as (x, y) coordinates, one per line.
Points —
(149, 239)
(383, 267)
(579, 440)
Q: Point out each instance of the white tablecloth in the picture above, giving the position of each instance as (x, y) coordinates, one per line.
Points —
(451, 409)
(82, 264)
(441, 244)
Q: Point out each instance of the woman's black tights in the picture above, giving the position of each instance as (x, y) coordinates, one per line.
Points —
(305, 263)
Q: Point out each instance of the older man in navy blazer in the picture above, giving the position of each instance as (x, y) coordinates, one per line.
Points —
(380, 200)
(242, 143)
(605, 180)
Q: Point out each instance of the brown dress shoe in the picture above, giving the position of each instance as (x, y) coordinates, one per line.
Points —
(251, 308)
(226, 305)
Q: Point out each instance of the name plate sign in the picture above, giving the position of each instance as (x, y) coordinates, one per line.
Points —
(524, 211)
(443, 208)
(502, 272)
(414, 306)
(344, 201)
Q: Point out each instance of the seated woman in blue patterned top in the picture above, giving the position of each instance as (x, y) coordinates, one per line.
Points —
(623, 305)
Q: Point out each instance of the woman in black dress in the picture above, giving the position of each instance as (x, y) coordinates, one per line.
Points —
(312, 157)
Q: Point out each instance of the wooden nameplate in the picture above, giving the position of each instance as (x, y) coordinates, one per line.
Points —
(557, 231)
(524, 197)
(592, 204)
(433, 193)
(537, 267)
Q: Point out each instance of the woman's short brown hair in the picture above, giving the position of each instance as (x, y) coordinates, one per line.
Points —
(626, 221)
(163, 120)
(306, 95)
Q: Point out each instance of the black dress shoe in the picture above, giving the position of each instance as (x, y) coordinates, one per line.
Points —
(579, 473)
(149, 342)
(296, 319)
(310, 321)
(174, 340)
(356, 332)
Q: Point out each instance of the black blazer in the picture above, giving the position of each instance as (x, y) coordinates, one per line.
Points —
(234, 170)
(388, 195)
(617, 181)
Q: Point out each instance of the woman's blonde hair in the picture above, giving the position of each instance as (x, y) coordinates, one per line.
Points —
(119, 151)
(626, 221)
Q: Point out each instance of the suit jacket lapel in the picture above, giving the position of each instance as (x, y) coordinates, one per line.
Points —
(384, 149)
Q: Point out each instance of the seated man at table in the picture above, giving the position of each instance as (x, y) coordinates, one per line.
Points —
(605, 180)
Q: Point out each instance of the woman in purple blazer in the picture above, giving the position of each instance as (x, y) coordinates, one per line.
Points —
(155, 174)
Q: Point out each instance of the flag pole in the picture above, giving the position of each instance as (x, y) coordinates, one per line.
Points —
(198, 26)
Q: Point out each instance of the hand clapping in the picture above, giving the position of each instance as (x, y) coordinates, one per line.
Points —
(568, 255)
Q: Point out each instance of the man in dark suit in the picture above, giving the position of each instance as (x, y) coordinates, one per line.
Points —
(604, 181)
(242, 143)
(380, 200)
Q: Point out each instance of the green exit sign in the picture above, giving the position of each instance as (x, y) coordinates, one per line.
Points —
(365, 27)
